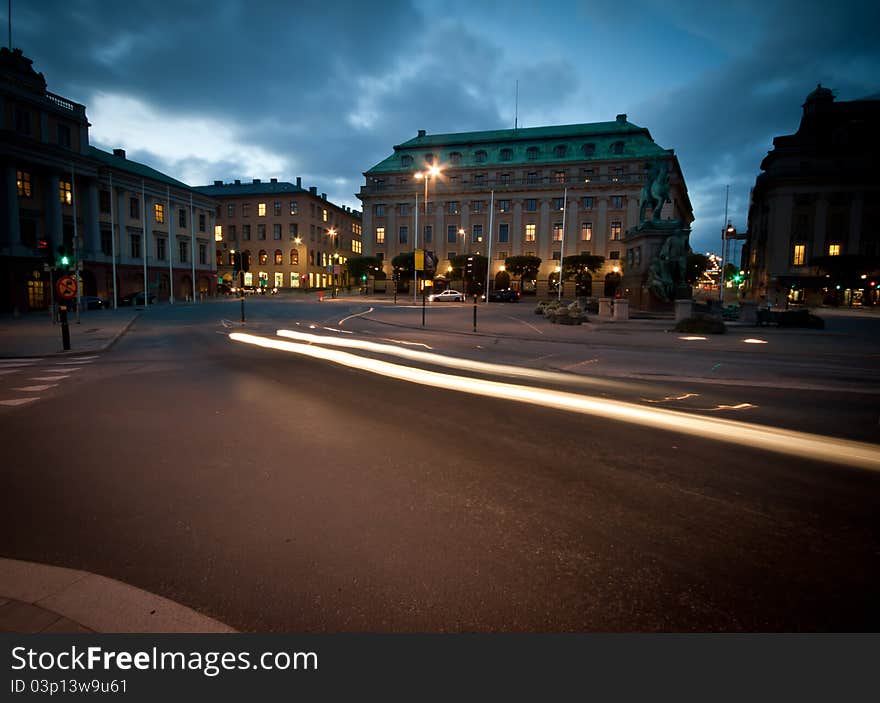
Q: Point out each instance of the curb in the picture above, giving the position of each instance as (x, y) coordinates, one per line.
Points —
(99, 603)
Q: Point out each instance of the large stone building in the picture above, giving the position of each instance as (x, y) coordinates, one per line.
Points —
(526, 173)
(113, 214)
(814, 218)
(293, 238)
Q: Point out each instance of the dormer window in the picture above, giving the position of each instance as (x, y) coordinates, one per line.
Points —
(617, 148)
(506, 154)
(480, 157)
(560, 151)
(532, 153)
(455, 158)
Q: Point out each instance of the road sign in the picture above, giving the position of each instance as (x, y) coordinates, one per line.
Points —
(420, 259)
(66, 287)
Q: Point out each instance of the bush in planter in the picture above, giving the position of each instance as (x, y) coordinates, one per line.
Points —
(702, 324)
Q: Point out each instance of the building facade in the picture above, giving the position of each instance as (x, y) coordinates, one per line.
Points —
(814, 217)
(292, 237)
(123, 222)
(549, 192)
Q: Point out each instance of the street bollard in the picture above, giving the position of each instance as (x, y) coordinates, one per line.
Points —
(475, 312)
(242, 308)
(65, 328)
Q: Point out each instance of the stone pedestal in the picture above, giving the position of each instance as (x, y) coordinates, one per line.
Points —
(621, 309)
(683, 309)
(605, 308)
(644, 245)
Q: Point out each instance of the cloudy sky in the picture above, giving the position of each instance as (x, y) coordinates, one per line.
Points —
(257, 89)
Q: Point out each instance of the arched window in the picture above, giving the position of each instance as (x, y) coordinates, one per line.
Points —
(279, 257)
(406, 160)
(506, 154)
(480, 156)
(617, 148)
(532, 153)
(455, 158)
(560, 151)
(264, 257)
(294, 257)
(589, 149)
(232, 258)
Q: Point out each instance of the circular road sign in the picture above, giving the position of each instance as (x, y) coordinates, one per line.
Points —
(66, 287)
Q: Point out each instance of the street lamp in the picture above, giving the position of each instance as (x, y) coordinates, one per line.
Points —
(430, 172)
(727, 234)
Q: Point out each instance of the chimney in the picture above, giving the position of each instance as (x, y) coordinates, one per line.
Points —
(256, 180)
(421, 133)
(273, 180)
(313, 190)
(119, 152)
(218, 183)
(323, 196)
(621, 117)
(299, 182)
(237, 182)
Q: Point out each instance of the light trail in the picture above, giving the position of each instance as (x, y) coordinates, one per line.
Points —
(802, 444)
(357, 314)
(450, 361)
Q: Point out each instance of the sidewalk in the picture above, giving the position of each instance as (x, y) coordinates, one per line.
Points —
(34, 335)
(37, 598)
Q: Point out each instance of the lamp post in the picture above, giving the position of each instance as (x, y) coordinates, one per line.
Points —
(726, 235)
(430, 172)
(463, 234)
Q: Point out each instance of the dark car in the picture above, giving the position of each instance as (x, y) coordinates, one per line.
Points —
(94, 302)
(505, 295)
(136, 299)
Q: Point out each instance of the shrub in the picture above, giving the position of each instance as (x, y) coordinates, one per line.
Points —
(702, 324)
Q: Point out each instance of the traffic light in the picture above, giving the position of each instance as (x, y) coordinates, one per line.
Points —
(364, 277)
(64, 259)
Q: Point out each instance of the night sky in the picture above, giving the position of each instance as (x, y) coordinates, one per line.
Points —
(323, 90)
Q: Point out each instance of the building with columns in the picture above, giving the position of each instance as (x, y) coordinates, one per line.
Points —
(115, 215)
(506, 193)
(293, 237)
(814, 217)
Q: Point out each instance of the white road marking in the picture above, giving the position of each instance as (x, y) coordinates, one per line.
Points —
(18, 401)
(36, 389)
(774, 439)
(672, 397)
(526, 324)
(48, 378)
(73, 363)
(62, 370)
(358, 314)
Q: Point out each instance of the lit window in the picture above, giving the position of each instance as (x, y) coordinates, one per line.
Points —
(261, 209)
(279, 257)
(218, 233)
(356, 246)
(159, 212)
(834, 250)
(559, 176)
(615, 231)
(557, 231)
(530, 232)
(586, 231)
(294, 257)
(380, 235)
(23, 181)
(65, 191)
(800, 254)
(324, 215)
(264, 257)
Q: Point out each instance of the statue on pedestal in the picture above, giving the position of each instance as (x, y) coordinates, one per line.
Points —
(667, 274)
(655, 192)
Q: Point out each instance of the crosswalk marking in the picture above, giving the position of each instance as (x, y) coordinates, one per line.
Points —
(32, 389)
(17, 401)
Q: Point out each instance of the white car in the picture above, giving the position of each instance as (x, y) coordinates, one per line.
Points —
(448, 294)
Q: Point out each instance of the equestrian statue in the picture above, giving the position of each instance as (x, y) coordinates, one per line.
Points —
(655, 192)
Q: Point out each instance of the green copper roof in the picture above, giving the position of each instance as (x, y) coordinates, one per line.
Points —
(237, 189)
(133, 167)
(578, 142)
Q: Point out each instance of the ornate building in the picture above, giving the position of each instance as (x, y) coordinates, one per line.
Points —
(110, 213)
(293, 238)
(814, 218)
(550, 192)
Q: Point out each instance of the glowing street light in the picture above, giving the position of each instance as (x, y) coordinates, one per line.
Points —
(430, 172)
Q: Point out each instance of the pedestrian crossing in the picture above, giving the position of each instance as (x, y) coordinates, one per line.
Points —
(25, 381)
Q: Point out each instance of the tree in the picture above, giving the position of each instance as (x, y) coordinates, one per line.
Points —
(360, 266)
(404, 266)
(697, 265)
(581, 268)
(522, 266)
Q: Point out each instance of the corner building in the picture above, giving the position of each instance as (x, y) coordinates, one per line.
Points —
(114, 213)
(294, 238)
(525, 172)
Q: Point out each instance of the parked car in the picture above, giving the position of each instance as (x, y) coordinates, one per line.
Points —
(504, 295)
(447, 295)
(136, 298)
(94, 302)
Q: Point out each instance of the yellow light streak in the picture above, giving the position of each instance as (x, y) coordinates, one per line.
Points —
(808, 446)
(751, 340)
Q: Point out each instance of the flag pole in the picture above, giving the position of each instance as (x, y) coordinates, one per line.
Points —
(170, 247)
(144, 243)
(113, 241)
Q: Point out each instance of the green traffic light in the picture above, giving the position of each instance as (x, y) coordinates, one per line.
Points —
(65, 261)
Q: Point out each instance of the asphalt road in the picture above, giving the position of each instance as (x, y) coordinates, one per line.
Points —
(282, 493)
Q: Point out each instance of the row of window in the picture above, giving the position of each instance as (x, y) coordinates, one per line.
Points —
(292, 228)
(587, 175)
(21, 120)
(136, 248)
(533, 153)
(799, 255)
(530, 233)
(320, 258)
(65, 196)
(555, 255)
(453, 207)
